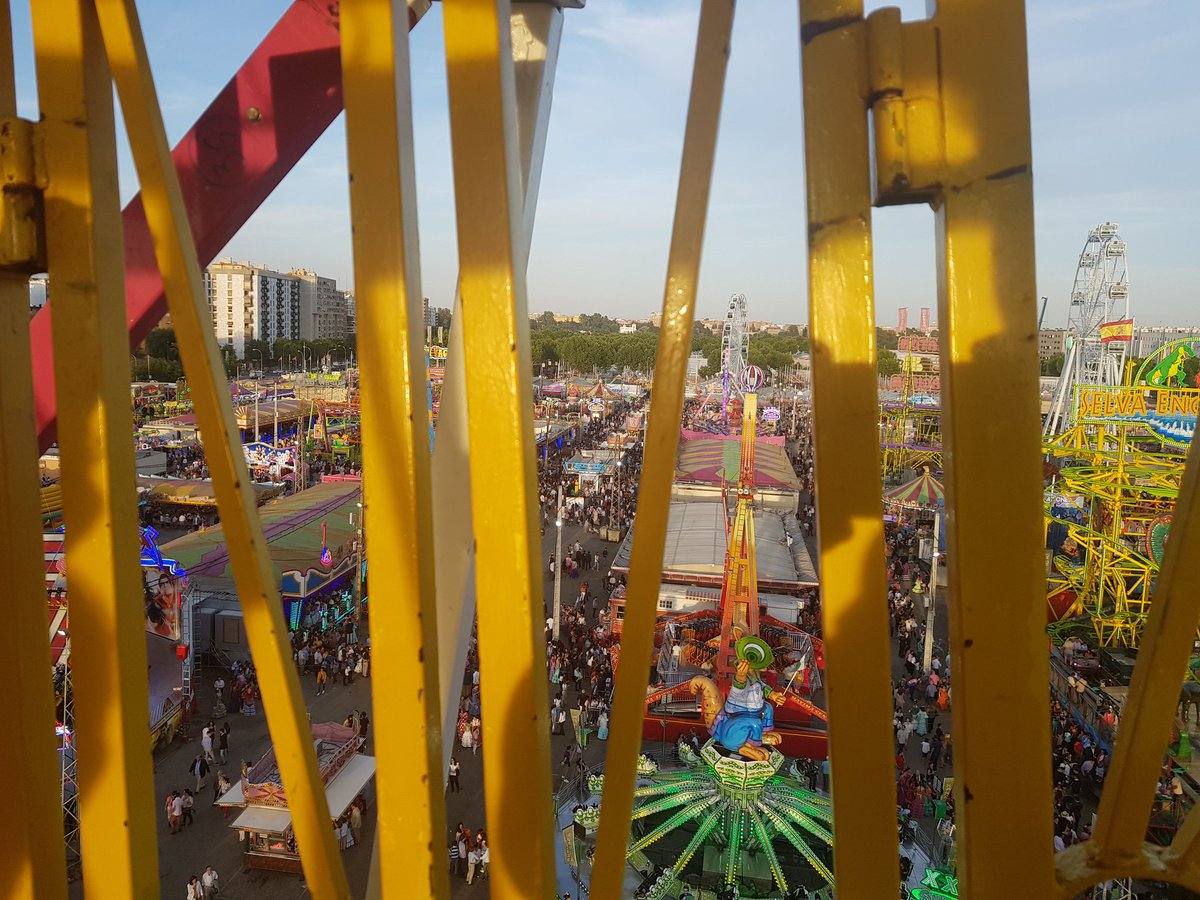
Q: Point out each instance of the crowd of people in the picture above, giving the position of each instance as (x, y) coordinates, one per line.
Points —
(469, 854)
(921, 697)
(179, 806)
(607, 501)
(327, 650)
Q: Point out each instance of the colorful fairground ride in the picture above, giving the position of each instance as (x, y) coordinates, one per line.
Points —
(1112, 480)
(735, 818)
(910, 426)
(336, 429)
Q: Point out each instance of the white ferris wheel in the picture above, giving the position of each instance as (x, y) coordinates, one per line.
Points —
(1099, 295)
(735, 348)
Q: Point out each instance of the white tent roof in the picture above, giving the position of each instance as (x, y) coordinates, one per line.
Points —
(271, 819)
(696, 541)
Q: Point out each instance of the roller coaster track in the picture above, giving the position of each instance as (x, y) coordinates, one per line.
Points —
(1127, 485)
(1111, 581)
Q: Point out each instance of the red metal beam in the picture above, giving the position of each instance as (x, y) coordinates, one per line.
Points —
(259, 126)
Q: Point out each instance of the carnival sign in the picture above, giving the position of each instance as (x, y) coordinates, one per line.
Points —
(936, 884)
(911, 343)
(163, 582)
(585, 468)
(1170, 413)
(771, 414)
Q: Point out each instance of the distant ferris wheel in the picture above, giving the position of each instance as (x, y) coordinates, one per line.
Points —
(1099, 295)
(735, 349)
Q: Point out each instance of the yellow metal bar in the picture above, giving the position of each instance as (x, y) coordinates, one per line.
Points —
(662, 441)
(91, 362)
(256, 583)
(846, 448)
(396, 463)
(516, 743)
(991, 432)
(1127, 798)
(537, 34)
(31, 854)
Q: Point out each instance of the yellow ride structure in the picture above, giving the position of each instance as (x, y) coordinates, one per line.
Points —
(932, 112)
(910, 432)
(1123, 480)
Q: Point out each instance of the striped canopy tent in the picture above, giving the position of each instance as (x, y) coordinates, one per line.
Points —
(601, 391)
(922, 491)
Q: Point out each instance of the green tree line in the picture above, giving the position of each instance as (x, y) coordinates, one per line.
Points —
(585, 351)
(158, 357)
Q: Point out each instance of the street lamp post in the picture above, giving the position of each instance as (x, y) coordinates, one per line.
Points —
(931, 597)
(358, 549)
(618, 503)
(558, 523)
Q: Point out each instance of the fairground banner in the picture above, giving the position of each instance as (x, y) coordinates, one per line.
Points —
(1168, 412)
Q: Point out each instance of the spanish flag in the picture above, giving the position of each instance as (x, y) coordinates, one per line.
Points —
(1118, 330)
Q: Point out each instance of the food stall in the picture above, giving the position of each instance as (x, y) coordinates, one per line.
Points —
(265, 823)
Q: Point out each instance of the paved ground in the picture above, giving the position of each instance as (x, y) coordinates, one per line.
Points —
(210, 840)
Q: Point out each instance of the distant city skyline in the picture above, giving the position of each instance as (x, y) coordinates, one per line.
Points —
(1110, 87)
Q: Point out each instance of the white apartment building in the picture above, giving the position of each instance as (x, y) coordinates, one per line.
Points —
(322, 307)
(351, 313)
(1150, 338)
(249, 303)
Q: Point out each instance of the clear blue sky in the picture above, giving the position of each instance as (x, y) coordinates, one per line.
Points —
(1115, 122)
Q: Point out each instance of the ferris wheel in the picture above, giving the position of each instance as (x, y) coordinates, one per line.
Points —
(735, 349)
(1099, 297)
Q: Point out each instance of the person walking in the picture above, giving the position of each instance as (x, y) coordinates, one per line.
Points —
(472, 863)
(206, 741)
(173, 812)
(195, 891)
(453, 857)
(453, 786)
(322, 678)
(484, 855)
(460, 840)
(199, 769)
(209, 881)
(356, 823)
(223, 742)
(189, 803)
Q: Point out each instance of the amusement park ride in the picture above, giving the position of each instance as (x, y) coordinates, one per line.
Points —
(703, 653)
(1115, 445)
(735, 350)
(910, 428)
(1096, 350)
(736, 678)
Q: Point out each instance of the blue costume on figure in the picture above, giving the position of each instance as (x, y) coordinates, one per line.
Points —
(744, 717)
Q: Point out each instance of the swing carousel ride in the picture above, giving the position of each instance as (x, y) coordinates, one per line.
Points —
(737, 816)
